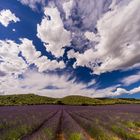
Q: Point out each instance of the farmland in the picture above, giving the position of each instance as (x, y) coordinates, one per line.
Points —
(64, 122)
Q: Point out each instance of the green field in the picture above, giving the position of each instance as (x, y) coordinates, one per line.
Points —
(31, 99)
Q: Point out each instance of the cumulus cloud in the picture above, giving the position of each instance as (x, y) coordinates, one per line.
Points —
(10, 62)
(81, 16)
(33, 4)
(28, 50)
(34, 57)
(12, 57)
(118, 44)
(6, 17)
(52, 32)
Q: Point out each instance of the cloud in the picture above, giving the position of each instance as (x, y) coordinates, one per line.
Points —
(35, 82)
(80, 16)
(131, 79)
(16, 58)
(34, 57)
(88, 12)
(33, 4)
(56, 86)
(67, 6)
(118, 45)
(120, 91)
(91, 36)
(28, 50)
(6, 17)
(10, 62)
(51, 31)
(2, 74)
(135, 90)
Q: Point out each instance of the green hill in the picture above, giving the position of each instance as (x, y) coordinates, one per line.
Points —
(81, 100)
(26, 99)
(31, 99)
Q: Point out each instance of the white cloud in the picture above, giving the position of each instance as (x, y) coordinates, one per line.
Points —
(6, 16)
(135, 90)
(67, 6)
(44, 64)
(113, 4)
(119, 40)
(119, 49)
(91, 36)
(84, 59)
(28, 50)
(131, 79)
(120, 91)
(135, 66)
(35, 82)
(10, 61)
(51, 31)
(34, 57)
(77, 89)
(33, 3)
(41, 84)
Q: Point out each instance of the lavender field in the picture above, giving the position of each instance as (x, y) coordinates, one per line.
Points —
(56, 122)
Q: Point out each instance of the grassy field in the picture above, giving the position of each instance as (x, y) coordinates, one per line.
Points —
(31, 99)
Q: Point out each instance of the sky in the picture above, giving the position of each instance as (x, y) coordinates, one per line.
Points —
(58, 48)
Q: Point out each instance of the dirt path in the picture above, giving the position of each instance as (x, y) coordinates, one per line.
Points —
(59, 133)
(60, 136)
(87, 135)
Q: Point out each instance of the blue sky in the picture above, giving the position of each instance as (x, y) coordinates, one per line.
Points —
(70, 47)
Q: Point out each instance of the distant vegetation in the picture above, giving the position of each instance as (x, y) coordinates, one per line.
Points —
(26, 99)
(31, 99)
